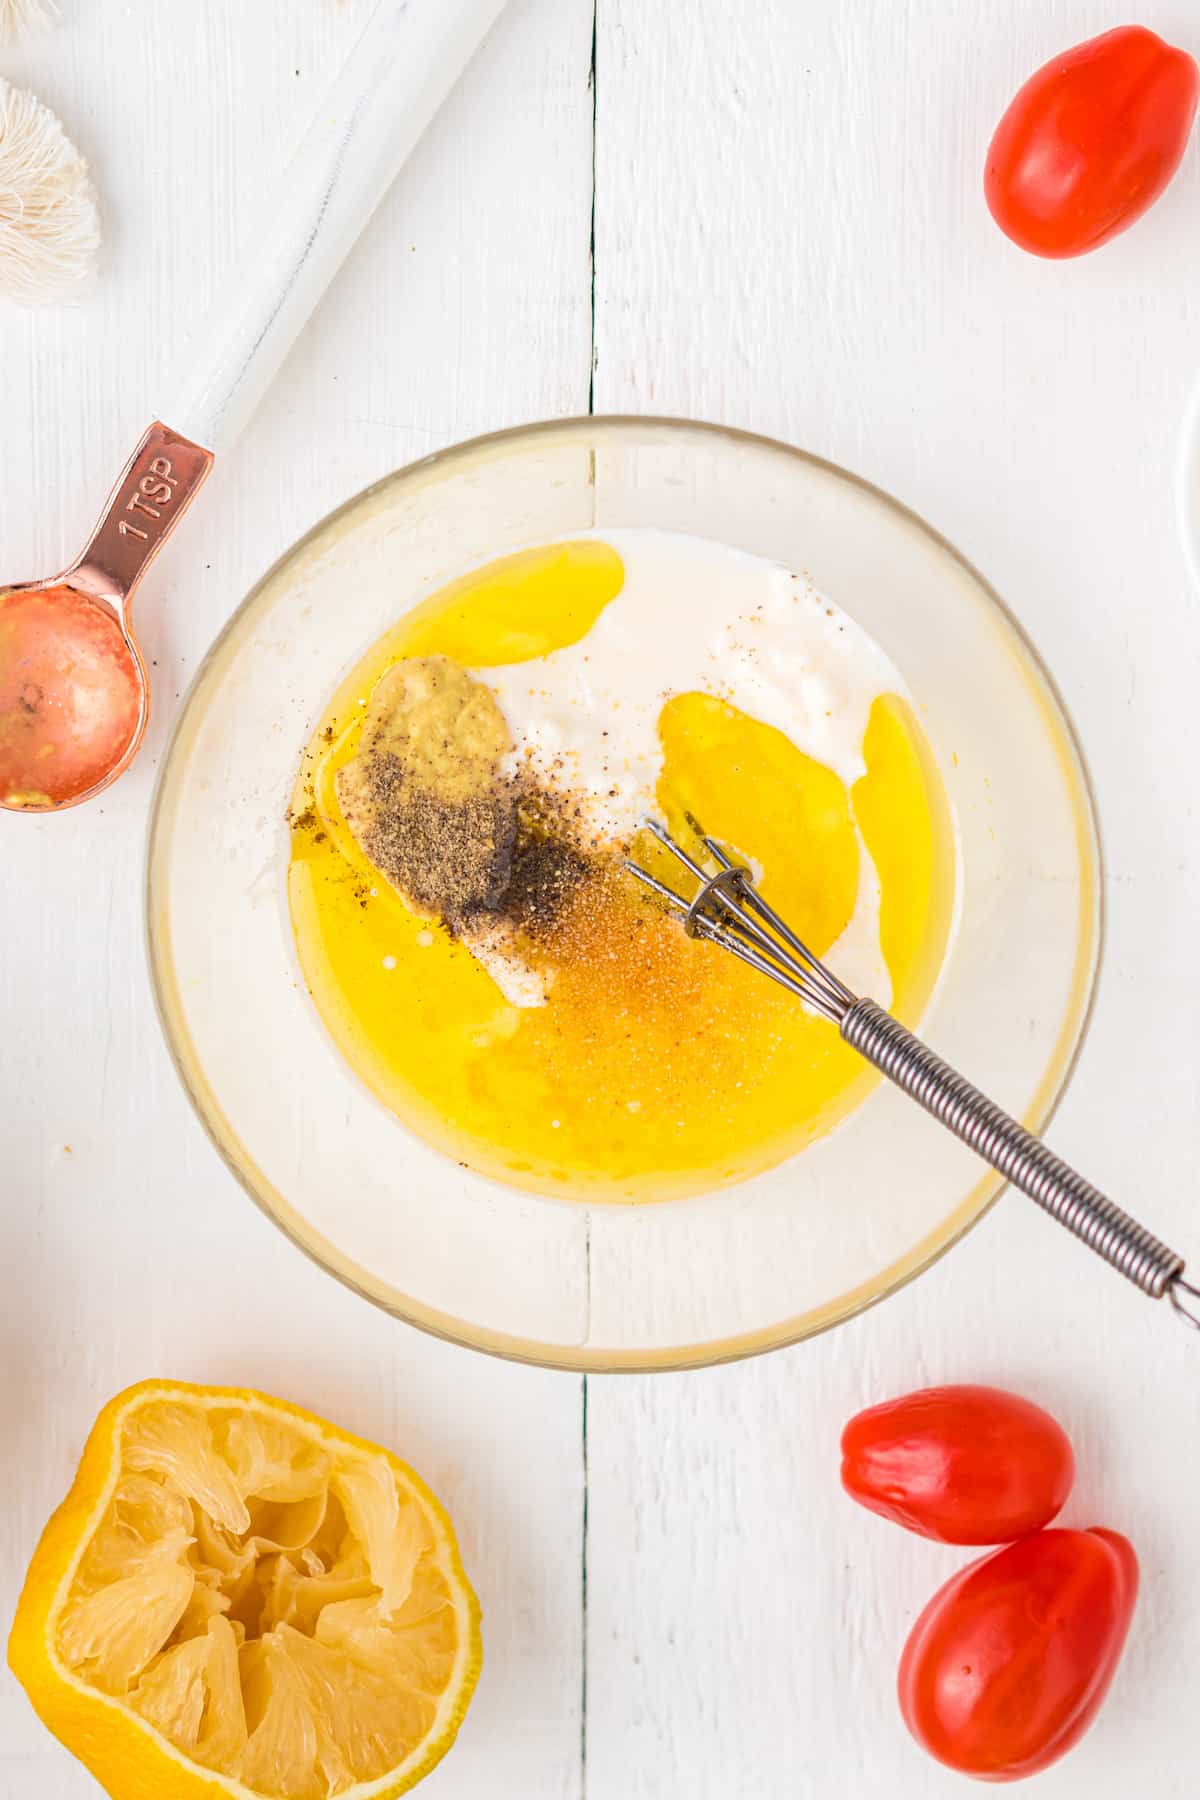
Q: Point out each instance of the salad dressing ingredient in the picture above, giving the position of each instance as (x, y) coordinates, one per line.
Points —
(568, 1038)
(424, 796)
(283, 1603)
(1091, 141)
(1011, 1660)
(963, 1465)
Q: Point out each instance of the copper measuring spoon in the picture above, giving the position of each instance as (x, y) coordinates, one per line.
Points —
(74, 694)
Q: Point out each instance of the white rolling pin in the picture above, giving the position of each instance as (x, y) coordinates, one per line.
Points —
(404, 65)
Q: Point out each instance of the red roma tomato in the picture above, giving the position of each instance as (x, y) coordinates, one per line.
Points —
(1008, 1664)
(965, 1465)
(1091, 141)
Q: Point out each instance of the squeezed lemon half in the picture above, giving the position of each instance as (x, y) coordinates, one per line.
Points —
(238, 1599)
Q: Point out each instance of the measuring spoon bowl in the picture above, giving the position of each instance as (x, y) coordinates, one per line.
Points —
(74, 695)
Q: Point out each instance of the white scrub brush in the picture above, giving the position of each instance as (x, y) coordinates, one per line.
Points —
(19, 16)
(49, 223)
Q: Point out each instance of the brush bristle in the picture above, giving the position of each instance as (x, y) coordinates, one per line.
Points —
(17, 17)
(49, 222)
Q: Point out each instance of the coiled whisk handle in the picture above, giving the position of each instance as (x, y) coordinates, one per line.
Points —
(726, 908)
(1020, 1157)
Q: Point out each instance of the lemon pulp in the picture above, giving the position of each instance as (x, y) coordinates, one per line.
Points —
(659, 1066)
(237, 1597)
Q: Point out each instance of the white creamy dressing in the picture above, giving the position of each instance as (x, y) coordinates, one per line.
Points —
(695, 616)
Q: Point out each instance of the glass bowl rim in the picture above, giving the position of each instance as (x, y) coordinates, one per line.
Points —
(1073, 1030)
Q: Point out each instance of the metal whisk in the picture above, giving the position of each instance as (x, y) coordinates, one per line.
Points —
(727, 909)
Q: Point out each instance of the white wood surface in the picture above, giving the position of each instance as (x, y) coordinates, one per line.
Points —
(789, 236)
(133, 1251)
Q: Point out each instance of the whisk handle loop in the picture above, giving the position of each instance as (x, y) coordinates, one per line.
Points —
(1020, 1157)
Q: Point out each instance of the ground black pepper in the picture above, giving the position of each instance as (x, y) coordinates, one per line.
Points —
(432, 801)
(545, 872)
(504, 854)
(452, 857)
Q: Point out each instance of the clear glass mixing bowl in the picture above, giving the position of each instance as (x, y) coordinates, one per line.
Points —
(556, 1281)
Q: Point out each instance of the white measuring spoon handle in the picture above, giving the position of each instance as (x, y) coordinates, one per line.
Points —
(408, 58)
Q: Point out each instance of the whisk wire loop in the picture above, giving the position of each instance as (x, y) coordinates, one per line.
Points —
(727, 909)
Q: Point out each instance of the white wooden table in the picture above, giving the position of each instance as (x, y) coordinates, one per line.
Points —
(789, 235)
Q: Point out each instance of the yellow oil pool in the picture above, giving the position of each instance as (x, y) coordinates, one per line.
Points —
(658, 1066)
